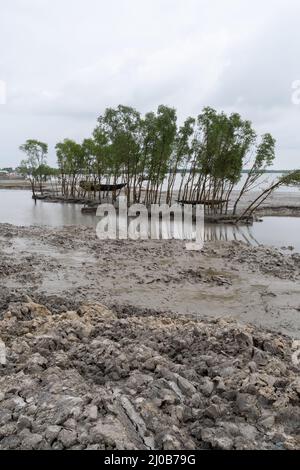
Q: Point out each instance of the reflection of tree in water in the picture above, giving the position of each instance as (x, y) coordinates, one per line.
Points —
(212, 232)
(226, 232)
(167, 229)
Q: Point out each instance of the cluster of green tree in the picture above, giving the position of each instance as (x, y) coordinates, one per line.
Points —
(7, 169)
(148, 153)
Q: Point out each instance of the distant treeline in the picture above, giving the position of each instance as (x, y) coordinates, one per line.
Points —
(271, 171)
(147, 152)
(7, 170)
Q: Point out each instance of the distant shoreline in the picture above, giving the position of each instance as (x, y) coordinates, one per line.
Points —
(14, 184)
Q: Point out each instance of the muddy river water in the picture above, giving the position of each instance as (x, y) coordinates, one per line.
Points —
(18, 208)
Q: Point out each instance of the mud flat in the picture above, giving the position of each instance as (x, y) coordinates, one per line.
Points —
(64, 267)
(192, 350)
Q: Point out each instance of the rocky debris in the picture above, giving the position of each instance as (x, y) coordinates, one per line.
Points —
(6, 267)
(92, 378)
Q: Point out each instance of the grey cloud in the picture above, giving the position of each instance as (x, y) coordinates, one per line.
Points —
(64, 62)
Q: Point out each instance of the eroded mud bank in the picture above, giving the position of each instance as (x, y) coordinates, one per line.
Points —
(98, 379)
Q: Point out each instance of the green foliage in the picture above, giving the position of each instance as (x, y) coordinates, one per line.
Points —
(224, 143)
(265, 153)
(70, 157)
(118, 139)
(291, 179)
(44, 171)
(217, 152)
(36, 153)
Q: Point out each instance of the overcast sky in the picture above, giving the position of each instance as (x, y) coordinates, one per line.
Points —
(65, 61)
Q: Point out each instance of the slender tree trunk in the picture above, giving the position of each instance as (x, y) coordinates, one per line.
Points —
(258, 201)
